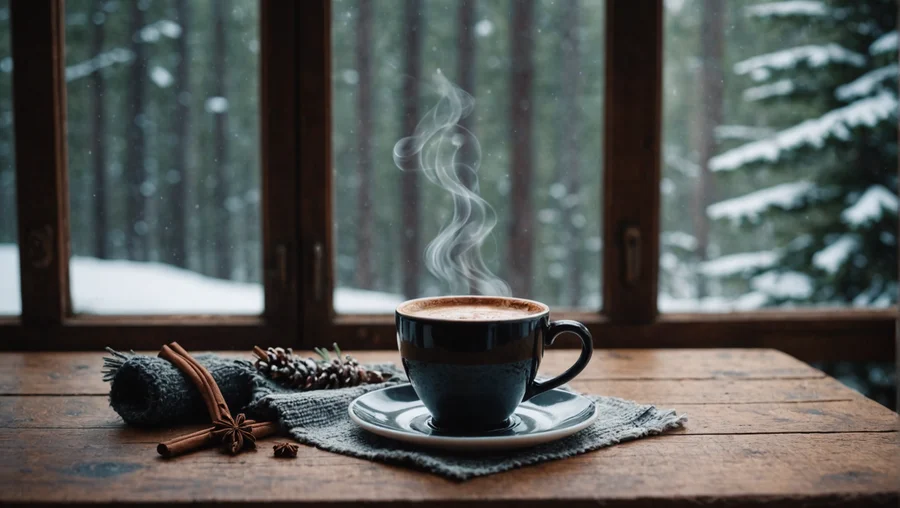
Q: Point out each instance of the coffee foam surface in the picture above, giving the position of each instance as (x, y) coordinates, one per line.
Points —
(472, 309)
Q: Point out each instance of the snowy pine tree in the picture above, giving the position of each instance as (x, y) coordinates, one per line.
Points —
(830, 211)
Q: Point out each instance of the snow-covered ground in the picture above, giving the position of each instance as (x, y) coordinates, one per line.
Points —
(128, 287)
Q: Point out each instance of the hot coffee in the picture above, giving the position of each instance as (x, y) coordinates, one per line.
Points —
(473, 313)
(472, 309)
(473, 359)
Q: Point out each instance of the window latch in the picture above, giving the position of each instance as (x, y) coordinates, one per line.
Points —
(317, 271)
(281, 264)
(632, 241)
(278, 274)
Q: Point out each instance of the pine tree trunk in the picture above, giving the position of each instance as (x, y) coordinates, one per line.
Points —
(136, 227)
(98, 143)
(365, 210)
(709, 116)
(409, 203)
(223, 247)
(569, 170)
(178, 247)
(521, 227)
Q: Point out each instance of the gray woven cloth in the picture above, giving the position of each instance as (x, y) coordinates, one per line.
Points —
(320, 419)
(151, 391)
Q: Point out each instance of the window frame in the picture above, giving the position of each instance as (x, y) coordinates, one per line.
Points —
(47, 321)
(295, 86)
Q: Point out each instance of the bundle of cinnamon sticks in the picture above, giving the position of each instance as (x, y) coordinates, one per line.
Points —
(233, 433)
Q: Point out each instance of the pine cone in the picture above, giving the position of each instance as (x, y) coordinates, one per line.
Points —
(282, 366)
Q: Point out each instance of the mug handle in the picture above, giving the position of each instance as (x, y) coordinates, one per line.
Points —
(555, 329)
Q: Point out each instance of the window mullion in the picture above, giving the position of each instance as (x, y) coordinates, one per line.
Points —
(316, 249)
(279, 126)
(632, 160)
(39, 111)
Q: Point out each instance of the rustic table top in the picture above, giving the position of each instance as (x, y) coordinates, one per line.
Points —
(763, 429)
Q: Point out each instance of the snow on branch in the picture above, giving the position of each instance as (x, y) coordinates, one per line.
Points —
(736, 264)
(788, 8)
(163, 27)
(742, 132)
(778, 88)
(161, 76)
(815, 132)
(679, 239)
(815, 55)
(683, 165)
(867, 83)
(870, 206)
(749, 206)
(832, 257)
(103, 60)
(150, 33)
(884, 44)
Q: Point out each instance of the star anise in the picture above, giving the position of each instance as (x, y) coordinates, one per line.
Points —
(234, 433)
(285, 450)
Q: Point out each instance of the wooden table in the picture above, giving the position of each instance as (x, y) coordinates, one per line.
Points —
(764, 430)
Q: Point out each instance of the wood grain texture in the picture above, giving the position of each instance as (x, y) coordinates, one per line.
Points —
(280, 159)
(744, 391)
(39, 104)
(631, 153)
(316, 256)
(102, 465)
(855, 415)
(763, 430)
(78, 373)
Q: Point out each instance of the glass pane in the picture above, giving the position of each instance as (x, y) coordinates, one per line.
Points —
(513, 146)
(10, 296)
(163, 156)
(780, 155)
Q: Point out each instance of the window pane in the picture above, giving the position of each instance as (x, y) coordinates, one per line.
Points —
(535, 70)
(780, 155)
(163, 156)
(10, 296)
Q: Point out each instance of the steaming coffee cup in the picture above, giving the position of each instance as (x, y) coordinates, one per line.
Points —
(473, 359)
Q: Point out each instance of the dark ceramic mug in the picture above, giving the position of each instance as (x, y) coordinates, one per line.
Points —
(472, 373)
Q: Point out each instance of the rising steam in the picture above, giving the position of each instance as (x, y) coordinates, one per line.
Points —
(436, 149)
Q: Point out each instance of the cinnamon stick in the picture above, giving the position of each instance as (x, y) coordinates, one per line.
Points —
(210, 382)
(203, 438)
(193, 374)
(218, 410)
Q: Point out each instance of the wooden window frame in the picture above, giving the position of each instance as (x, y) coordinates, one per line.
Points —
(297, 211)
(47, 321)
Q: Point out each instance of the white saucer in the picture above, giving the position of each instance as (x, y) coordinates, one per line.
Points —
(397, 413)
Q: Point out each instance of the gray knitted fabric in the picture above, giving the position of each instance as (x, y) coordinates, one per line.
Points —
(320, 418)
(151, 391)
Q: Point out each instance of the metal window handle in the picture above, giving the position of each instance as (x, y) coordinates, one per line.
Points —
(632, 241)
(281, 264)
(317, 271)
